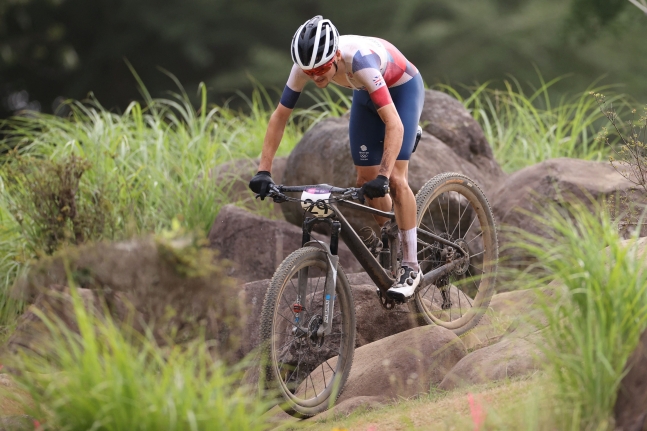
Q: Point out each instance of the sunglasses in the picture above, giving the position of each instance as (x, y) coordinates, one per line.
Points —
(321, 70)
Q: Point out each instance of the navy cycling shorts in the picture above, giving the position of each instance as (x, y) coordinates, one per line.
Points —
(367, 128)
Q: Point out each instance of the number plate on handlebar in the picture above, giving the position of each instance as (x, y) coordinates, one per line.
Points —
(315, 200)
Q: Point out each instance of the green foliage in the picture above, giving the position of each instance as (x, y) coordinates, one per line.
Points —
(630, 156)
(596, 311)
(109, 378)
(60, 49)
(592, 15)
(135, 172)
(51, 203)
(525, 129)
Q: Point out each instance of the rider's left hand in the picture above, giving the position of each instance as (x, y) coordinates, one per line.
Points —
(377, 188)
(261, 183)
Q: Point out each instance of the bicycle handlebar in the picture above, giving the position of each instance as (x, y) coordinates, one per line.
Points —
(276, 191)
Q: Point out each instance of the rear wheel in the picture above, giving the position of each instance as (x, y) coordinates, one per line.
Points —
(453, 207)
(307, 371)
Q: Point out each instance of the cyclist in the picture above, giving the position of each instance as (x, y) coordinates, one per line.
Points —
(387, 102)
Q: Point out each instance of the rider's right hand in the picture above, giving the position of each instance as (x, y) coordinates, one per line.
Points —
(261, 183)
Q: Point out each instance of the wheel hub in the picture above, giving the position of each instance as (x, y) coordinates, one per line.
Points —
(461, 268)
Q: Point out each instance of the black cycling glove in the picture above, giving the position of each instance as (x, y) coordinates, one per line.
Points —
(261, 183)
(377, 188)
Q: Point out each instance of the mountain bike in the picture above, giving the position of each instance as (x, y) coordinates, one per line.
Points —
(308, 315)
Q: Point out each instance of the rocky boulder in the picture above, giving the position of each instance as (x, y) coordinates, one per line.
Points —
(17, 423)
(447, 119)
(257, 245)
(630, 410)
(517, 354)
(323, 155)
(554, 181)
(31, 333)
(154, 275)
(402, 365)
(349, 405)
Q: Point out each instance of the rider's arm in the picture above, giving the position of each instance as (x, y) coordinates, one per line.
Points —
(280, 117)
(273, 136)
(392, 138)
(366, 68)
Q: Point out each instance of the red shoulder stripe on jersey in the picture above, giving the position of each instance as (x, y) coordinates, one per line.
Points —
(381, 97)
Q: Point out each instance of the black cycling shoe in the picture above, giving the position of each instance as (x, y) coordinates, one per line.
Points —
(405, 287)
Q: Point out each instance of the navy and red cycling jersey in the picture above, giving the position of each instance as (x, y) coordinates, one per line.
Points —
(372, 64)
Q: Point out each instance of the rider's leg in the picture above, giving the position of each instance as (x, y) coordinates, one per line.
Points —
(404, 203)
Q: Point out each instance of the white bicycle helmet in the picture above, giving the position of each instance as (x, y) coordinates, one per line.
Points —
(315, 43)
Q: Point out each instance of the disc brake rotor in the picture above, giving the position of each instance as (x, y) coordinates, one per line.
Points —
(313, 328)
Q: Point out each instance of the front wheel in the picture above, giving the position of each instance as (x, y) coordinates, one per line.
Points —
(307, 370)
(453, 207)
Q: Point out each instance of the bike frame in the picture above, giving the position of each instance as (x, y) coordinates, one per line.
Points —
(380, 276)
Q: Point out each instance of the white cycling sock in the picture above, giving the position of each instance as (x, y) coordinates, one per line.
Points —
(409, 248)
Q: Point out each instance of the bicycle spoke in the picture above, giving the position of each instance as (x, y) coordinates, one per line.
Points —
(442, 215)
(459, 221)
(431, 217)
(312, 297)
(286, 319)
(477, 254)
(460, 308)
(471, 224)
(468, 242)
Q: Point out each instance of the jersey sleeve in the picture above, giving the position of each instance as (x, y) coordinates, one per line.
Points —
(366, 70)
(294, 87)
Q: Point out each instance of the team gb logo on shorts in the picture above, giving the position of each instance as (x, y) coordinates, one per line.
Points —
(363, 154)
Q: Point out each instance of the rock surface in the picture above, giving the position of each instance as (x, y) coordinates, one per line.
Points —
(17, 423)
(32, 334)
(402, 365)
(517, 354)
(630, 410)
(348, 406)
(466, 152)
(447, 119)
(257, 245)
(552, 181)
(153, 275)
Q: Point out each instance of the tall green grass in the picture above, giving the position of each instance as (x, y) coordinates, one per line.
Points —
(155, 162)
(109, 378)
(527, 128)
(595, 314)
(158, 160)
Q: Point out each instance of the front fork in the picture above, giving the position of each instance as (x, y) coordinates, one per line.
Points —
(331, 274)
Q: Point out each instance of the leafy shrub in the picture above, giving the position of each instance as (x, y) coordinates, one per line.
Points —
(51, 203)
(528, 128)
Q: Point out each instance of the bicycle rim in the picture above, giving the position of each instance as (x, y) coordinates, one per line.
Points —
(309, 371)
(453, 207)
